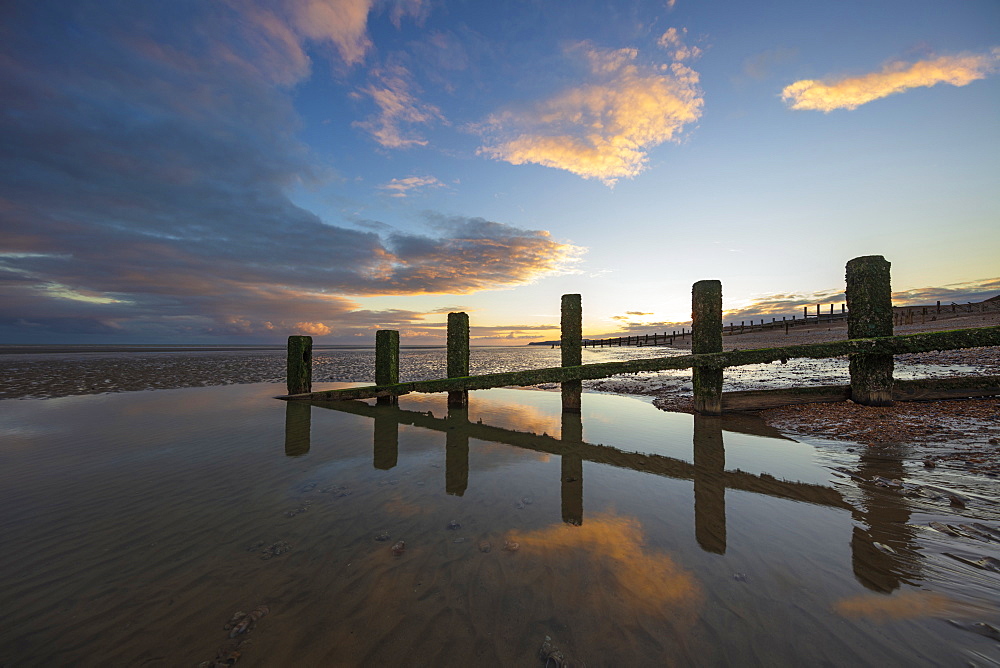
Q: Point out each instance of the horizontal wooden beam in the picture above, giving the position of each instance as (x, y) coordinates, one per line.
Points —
(902, 390)
(891, 345)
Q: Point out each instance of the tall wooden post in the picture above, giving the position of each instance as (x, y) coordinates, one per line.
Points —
(299, 374)
(706, 337)
(387, 362)
(458, 356)
(869, 313)
(570, 341)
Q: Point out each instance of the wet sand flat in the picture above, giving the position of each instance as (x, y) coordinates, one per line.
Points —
(136, 524)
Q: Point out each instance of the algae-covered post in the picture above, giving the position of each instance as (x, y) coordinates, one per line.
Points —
(869, 314)
(706, 337)
(458, 356)
(387, 362)
(299, 378)
(571, 345)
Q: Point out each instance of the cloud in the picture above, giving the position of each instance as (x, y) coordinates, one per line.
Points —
(895, 77)
(398, 108)
(605, 128)
(146, 191)
(673, 41)
(403, 187)
(343, 22)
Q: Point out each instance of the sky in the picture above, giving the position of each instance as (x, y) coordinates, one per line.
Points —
(220, 171)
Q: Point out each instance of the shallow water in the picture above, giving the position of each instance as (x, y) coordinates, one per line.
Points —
(134, 525)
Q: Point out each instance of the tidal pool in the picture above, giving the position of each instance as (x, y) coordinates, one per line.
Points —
(134, 525)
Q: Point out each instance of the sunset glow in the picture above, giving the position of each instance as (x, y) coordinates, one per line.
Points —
(240, 171)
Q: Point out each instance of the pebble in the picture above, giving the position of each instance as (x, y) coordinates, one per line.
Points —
(454, 525)
(485, 546)
(398, 548)
(382, 536)
(511, 546)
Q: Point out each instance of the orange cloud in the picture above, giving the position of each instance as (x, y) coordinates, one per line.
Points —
(646, 579)
(604, 129)
(896, 77)
(343, 22)
(673, 40)
(312, 328)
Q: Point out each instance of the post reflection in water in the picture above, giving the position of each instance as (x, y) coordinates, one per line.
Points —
(879, 569)
(572, 470)
(879, 554)
(386, 441)
(456, 457)
(298, 424)
(709, 484)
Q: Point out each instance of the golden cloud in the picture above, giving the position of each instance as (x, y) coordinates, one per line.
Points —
(895, 77)
(402, 187)
(343, 22)
(604, 129)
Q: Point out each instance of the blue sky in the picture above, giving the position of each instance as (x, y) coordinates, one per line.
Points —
(244, 170)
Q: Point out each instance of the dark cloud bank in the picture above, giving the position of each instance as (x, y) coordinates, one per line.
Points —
(146, 152)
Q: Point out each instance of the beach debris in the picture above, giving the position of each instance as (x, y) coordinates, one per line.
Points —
(511, 545)
(551, 655)
(382, 536)
(227, 655)
(527, 500)
(984, 563)
(398, 548)
(274, 550)
(882, 547)
(741, 577)
(929, 463)
(485, 546)
(982, 628)
(243, 622)
(454, 525)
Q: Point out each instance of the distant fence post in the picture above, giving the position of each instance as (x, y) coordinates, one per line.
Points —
(458, 356)
(387, 362)
(299, 374)
(570, 339)
(706, 337)
(869, 313)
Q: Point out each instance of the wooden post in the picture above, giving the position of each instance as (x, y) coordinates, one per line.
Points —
(387, 362)
(706, 337)
(571, 323)
(458, 356)
(869, 305)
(299, 374)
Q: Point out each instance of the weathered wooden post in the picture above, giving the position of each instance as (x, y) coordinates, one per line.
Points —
(458, 356)
(869, 313)
(571, 324)
(387, 362)
(299, 374)
(706, 337)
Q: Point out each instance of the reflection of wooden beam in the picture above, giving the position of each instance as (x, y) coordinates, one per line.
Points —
(889, 345)
(456, 452)
(903, 390)
(600, 454)
(386, 442)
(709, 484)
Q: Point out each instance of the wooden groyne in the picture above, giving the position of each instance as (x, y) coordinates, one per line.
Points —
(870, 345)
